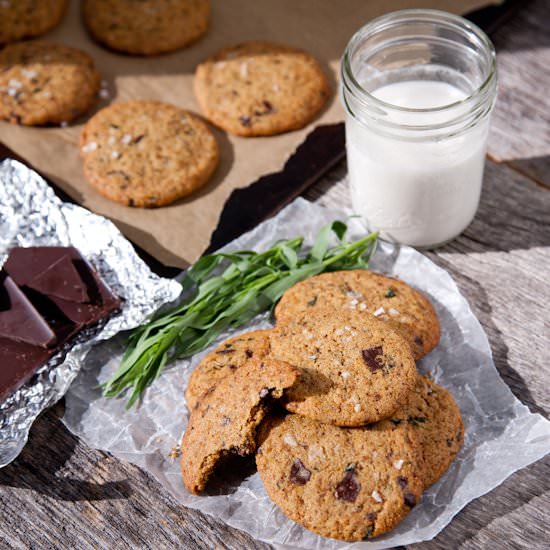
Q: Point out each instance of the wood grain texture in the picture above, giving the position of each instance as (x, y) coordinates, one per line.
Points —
(520, 133)
(61, 494)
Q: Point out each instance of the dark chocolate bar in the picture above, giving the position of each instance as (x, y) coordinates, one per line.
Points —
(47, 296)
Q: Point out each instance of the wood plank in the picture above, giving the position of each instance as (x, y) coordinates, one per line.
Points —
(59, 493)
(521, 120)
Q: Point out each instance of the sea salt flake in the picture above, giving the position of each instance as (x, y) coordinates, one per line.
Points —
(14, 83)
(307, 334)
(345, 375)
(29, 73)
(289, 440)
(12, 92)
(379, 312)
(393, 312)
(377, 496)
(313, 357)
(362, 306)
(243, 69)
(398, 464)
(339, 332)
(357, 407)
(89, 147)
(315, 452)
(115, 154)
(111, 140)
(126, 139)
(103, 93)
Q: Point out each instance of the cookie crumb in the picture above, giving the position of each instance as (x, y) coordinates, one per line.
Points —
(174, 453)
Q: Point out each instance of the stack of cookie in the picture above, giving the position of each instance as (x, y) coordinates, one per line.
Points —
(346, 433)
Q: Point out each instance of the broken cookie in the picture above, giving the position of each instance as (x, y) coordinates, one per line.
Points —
(219, 426)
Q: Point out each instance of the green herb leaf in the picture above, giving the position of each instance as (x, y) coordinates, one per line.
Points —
(227, 290)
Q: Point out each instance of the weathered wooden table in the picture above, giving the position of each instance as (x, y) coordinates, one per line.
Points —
(60, 493)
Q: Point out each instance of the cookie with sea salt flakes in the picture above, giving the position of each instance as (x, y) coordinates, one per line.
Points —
(147, 153)
(433, 416)
(224, 361)
(339, 482)
(147, 27)
(226, 419)
(260, 88)
(403, 308)
(28, 18)
(45, 83)
(354, 370)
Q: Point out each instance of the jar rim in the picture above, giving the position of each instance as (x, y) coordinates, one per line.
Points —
(427, 15)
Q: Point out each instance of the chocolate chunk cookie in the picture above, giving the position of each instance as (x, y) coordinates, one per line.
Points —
(43, 83)
(434, 417)
(402, 307)
(260, 88)
(355, 369)
(147, 27)
(339, 482)
(225, 360)
(28, 18)
(226, 419)
(147, 153)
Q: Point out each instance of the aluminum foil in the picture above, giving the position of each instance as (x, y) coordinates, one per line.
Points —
(502, 436)
(32, 215)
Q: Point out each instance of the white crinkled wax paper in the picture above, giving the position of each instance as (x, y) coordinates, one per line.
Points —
(501, 436)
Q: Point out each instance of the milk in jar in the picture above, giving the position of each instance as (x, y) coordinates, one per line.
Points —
(417, 104)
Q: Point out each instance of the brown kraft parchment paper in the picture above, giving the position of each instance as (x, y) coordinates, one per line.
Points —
(177, 234)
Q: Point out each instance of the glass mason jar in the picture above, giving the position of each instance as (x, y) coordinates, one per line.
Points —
(418, 88)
